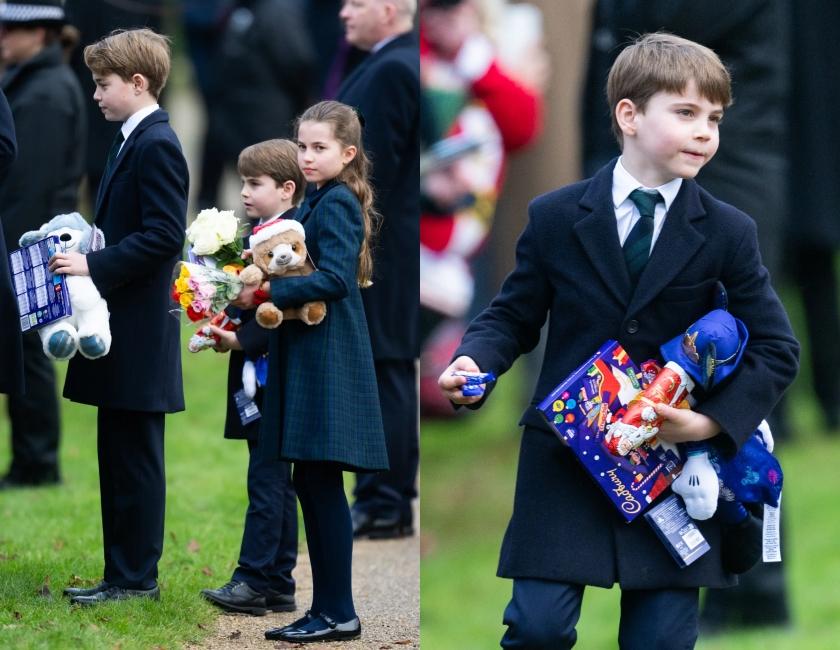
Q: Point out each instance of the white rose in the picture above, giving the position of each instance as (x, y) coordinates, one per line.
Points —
(211, 230)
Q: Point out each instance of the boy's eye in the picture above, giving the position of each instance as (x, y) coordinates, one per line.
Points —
(686, 112)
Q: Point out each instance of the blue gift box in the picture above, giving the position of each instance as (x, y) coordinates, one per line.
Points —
(579, 410)
(41, 296)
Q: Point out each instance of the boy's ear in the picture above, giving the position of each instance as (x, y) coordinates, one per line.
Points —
(288, 188)
(626, 113)
(139, 82)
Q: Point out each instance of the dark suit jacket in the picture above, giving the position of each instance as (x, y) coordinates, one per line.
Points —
(49, 113)
(569, 266)
(141, 208)
(11, 353)
(386, 89)
(321, 400)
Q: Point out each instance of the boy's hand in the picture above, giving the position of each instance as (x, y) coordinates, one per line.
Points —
(451, 384)
(69, 264)
(245, 299)
(227, 339)
(684, 425)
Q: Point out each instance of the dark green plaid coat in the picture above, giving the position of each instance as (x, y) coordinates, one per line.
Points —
(321, 401)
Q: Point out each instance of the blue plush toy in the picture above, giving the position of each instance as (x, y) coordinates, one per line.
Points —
(709, 351)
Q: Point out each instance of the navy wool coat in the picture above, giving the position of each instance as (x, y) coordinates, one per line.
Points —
(569, 267)
(141, 208)
(321, 401)
(11, 352)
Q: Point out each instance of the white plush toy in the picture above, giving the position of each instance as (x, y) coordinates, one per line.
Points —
(87, 329)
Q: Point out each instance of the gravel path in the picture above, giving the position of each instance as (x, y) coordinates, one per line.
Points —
(386, 590)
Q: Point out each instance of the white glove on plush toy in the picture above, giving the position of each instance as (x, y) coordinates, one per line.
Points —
(698, 485)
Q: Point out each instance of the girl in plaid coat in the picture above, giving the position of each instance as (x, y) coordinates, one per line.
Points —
(321, 406)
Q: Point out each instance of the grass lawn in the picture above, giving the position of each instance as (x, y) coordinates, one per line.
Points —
(468, 473)
(50, 537)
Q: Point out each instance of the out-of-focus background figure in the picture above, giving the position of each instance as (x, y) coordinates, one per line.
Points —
(483, 72)
(385, 89)
(48, 111)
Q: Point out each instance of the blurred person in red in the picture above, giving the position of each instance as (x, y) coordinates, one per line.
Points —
(478, 108)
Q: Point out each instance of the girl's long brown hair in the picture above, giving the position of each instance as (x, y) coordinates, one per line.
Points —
(347, 129)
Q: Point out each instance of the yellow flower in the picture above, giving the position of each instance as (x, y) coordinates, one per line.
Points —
(233, 269)
(186, 299)
(185, 272)
(181, 285)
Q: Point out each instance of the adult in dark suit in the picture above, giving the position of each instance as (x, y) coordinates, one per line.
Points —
(11, 352)
(141, 208)
(385, 88)
(48, 109)
(569, 264)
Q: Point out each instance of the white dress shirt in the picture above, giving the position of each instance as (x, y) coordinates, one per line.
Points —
(131, 123)
(626, 212)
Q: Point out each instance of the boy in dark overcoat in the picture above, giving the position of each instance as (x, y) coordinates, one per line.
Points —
(141, 208)
(633, 254)
(272, 185)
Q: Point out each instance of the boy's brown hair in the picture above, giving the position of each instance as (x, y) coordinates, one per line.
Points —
(129, 52)
(662, 62)
(277, 159)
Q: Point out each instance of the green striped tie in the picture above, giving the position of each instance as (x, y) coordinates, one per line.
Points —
(637, 244)
(114, 151)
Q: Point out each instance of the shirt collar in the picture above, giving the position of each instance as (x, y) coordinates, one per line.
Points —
(624, 183)
(383, 43)
(131, 123)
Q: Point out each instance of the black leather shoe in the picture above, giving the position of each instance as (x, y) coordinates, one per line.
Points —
(42, 479)
(375, 526)
(85, 591)
(115, 593)
(274, 633)
(237, 596)
(277, 601)
(323, 628)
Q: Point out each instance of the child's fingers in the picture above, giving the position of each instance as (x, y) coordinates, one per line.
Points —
(670, 413)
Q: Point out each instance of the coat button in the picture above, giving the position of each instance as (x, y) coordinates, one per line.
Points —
(632, 326)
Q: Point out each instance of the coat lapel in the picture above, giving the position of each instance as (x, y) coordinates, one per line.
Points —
(677, 243)
(598, 234)
(158, 116)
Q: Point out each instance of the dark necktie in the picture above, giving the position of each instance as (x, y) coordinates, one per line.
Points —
(637, 244)
(114, 150)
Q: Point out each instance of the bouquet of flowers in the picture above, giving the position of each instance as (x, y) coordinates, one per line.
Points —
(216, 239)
(203, 291)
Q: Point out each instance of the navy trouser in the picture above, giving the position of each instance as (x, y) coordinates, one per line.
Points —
(270, 538)
(132, 488)
(543, 614)
(389, 494)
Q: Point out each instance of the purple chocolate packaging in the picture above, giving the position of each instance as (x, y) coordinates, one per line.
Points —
(579, 409)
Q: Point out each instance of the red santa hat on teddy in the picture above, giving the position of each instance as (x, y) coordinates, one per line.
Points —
(269, 229)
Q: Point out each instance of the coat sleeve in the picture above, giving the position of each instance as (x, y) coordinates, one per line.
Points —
(511, 325)
(162, 181)
(339, 232)
(253, 339)
(770, 361)
(8, 142)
